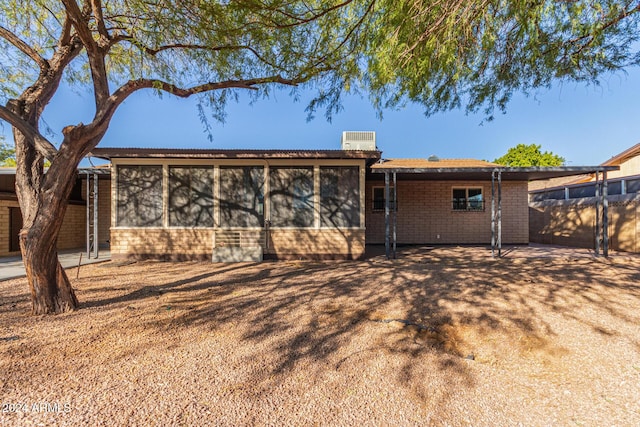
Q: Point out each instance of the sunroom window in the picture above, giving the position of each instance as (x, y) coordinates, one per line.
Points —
(139, 196)
(291, 192)
(242, 196)
(191, 196)
(339, 196)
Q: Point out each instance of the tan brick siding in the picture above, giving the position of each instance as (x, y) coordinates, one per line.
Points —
(104, 208)
(72, 234)
(324, 243)
(572, 222)
(4, 226)
(425, 214)
(161, 243)
(198, 243)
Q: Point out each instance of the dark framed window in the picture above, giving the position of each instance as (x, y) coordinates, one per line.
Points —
(378, 198)
(291, 196)
(615, 187)
(242, 196)
(191, 196)
(633, 185)
(139, 196)
(340, 196)
(468, 199)
(582, 191)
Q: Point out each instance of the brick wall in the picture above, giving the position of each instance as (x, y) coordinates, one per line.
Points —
(187, 243)
(104, 208)
(4, 226)
(178, 244)
(572, 222)
(323, 243)
(425, 214)
(72, 234)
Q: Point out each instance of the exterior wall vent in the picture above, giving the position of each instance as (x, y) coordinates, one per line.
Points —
(359, 140)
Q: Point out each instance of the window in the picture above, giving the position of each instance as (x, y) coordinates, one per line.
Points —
(633, 186)
(241, 196)
(340, 196)
(291, 192)
(139, 196)
(468, 199)
(582, 191)
(378, 198)
(191, 196)
(614, 187)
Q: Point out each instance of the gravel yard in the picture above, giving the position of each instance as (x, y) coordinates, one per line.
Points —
(442, 337)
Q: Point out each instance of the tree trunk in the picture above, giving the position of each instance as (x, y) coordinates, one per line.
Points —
(51, 291)
(43, 202)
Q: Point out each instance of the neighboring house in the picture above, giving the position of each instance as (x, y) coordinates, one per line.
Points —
(563, 211)
(74, 230)
(230, 205)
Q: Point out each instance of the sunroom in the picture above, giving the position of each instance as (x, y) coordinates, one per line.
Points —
(235, 205)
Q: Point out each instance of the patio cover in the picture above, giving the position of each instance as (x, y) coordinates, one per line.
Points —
(479, 170)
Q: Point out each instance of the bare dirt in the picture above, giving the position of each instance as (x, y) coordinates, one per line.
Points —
(442, 337)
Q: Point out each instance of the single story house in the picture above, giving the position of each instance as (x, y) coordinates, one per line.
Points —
(231, 205)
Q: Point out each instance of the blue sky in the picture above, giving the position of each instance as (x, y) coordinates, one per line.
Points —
(584, 124)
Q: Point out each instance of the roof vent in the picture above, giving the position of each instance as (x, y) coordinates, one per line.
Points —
(433, 158)
(359, 140)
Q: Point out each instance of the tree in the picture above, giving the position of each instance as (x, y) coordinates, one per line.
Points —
(477, 54)
(529, 155)
(182, 48)
(441, 54)
(7, 153)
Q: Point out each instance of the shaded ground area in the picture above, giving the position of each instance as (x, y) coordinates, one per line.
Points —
(440, 336)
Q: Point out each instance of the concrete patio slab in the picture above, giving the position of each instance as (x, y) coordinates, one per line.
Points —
(12, 267)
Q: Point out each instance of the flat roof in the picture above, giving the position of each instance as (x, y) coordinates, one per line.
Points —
(181, 153)
(433, 164)
(465, 169)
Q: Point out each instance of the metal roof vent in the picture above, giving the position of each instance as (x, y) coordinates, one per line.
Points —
(359, 140)
(433, 158)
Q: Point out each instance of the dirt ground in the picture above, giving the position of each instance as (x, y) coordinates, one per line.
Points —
(440, 336)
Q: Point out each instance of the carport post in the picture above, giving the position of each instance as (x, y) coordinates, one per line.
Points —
(597, 230)
(605, 214)
(95, 215)
(386, 213)
(499, 214)
(395, 213)
(88, 212)
(493, 213)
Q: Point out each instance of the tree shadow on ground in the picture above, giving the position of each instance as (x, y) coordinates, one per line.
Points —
(430, 311)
